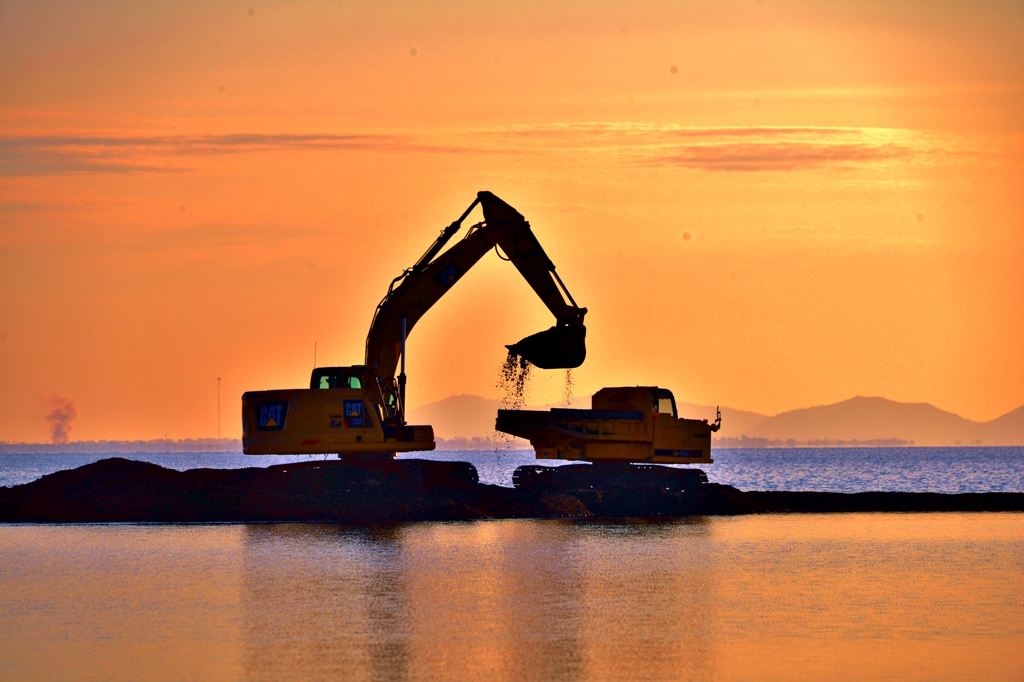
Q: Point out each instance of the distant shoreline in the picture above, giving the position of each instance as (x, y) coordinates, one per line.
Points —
(233, 446)
(758, 443)
(226, 445)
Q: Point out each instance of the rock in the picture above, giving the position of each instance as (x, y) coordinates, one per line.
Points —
(121, 490)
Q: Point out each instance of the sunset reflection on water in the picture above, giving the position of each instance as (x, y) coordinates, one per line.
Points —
(865, 596)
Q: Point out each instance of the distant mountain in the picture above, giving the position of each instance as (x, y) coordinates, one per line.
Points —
(458, 416)
(1006, 430)
(735, 423)
(861, 420)
(471, 416)
(867, 419)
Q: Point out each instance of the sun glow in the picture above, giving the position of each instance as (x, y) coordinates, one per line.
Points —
(767, 207)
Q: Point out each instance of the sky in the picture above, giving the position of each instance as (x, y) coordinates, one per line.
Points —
(766, 205)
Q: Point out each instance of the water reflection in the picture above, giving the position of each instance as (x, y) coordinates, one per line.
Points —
(388, 610)
(777, 597)
(648, 598)
(501, 600)
(327, 599)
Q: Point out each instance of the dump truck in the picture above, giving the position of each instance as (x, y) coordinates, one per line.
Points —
(627, 429)
(358, 411)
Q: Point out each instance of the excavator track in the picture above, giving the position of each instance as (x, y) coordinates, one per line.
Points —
(606, 477)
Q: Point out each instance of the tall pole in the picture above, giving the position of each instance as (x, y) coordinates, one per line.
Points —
(218, 408)
(401, 375)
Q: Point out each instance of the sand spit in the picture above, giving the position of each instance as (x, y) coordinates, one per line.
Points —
(121, 490)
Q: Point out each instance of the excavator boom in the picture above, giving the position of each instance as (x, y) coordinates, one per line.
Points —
(417, 289)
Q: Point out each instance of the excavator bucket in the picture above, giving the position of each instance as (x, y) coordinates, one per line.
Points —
(555, 348)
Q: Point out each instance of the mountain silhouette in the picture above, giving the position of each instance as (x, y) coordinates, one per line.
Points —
(875, 418)
(857, 419)
(458, 416)
(734, 422)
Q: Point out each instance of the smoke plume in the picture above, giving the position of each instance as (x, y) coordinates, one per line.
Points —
(62, 413)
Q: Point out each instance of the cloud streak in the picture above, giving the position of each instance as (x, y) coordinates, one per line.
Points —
(744, 149)
(68, 154)
(737, 149)
(787, 156)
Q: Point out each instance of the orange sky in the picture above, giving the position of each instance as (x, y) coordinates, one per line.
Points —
(194, 190)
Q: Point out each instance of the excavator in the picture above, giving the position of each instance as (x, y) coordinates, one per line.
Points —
(358, 412)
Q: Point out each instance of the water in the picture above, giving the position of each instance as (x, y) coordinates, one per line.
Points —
(773, 597)
(16, 469)
(847, 470)
(942, 470)
(770, 597)
(918, 469)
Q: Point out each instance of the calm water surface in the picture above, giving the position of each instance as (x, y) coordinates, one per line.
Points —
(777, 597)
(946, 470)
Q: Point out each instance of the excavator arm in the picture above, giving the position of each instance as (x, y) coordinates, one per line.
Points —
(418, 288)
(360, 410)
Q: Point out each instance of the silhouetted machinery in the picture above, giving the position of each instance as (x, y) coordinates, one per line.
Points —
(359, 411)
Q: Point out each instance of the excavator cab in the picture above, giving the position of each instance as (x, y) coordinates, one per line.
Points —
(336, 377)
(327, 378)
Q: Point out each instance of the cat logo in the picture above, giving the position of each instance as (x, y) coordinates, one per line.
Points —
(447, 277)
(271, 415)
(354, 414)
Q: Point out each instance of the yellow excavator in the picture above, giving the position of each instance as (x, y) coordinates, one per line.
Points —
(358, 412)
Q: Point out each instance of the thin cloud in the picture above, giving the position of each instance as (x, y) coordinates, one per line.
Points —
(66, 154)
(190, 143)
(15, 207)
(208, 238)
(637, 131)
(789, 156)
(51, 163)
(748, 149)
(761, 132)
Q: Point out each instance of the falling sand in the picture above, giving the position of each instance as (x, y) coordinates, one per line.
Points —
(512, 384)
(512, 381)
